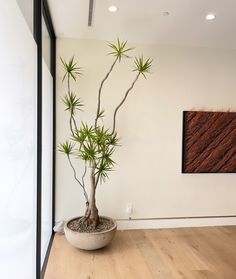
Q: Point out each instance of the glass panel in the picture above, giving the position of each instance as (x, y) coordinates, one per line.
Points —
(46, 44)
(18, 144)
(47, 140)
(26, 7)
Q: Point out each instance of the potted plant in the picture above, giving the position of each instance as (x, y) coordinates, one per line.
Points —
(95, 145)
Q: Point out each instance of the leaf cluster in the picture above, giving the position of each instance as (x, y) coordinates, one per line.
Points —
(71, 69)
(66, 148)
(119, 49)
(72, 103)
(142, 66)
(95, 146)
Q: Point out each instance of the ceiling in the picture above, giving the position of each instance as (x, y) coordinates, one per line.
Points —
(142, 21)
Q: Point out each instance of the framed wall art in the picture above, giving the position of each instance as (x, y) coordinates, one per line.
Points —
(209, 142)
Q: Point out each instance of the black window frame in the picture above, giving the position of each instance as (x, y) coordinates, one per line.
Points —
(41, 11)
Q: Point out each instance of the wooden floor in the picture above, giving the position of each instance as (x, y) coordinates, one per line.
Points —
(199, 253)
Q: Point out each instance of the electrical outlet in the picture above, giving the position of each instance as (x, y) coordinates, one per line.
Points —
(129, 209)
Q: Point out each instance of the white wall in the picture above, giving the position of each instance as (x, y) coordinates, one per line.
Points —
(148, 172)
(26, 7)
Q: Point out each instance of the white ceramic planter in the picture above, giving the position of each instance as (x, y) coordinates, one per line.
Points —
(90, 240)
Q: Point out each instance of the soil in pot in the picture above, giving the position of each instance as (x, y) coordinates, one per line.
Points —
(104, 225)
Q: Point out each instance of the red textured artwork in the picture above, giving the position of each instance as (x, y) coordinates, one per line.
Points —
(209, 142)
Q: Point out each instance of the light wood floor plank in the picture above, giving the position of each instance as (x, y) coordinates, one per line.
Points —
(185, 253)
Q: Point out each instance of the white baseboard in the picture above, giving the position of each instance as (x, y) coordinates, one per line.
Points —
(175, 223)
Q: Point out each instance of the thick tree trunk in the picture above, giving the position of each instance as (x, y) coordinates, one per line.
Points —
(91, 215)
(94, 218)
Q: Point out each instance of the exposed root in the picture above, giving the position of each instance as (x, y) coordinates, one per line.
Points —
(83, 220)
(91, 217)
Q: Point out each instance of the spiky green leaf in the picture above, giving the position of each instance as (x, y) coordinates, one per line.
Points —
(71, 69)
(72, 103)
(66, 148)
(142, 66)
(119, 49)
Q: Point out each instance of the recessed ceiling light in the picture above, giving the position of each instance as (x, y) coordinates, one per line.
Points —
(210, 16)
(113, 9)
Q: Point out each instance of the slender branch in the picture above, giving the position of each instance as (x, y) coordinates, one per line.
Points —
(75, 176)
(71, 128)
(74, 122)
(100, 90)
(122, 102)
(85, 171)
(68, 83)
(71, 117)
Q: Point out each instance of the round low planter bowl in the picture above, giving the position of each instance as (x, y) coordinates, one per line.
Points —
(90, 240)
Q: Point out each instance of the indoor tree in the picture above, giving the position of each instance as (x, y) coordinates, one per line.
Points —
(93, 143)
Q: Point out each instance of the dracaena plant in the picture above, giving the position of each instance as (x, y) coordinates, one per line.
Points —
(93, 143)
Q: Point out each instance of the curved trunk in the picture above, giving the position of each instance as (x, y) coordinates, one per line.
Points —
(91, 214)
